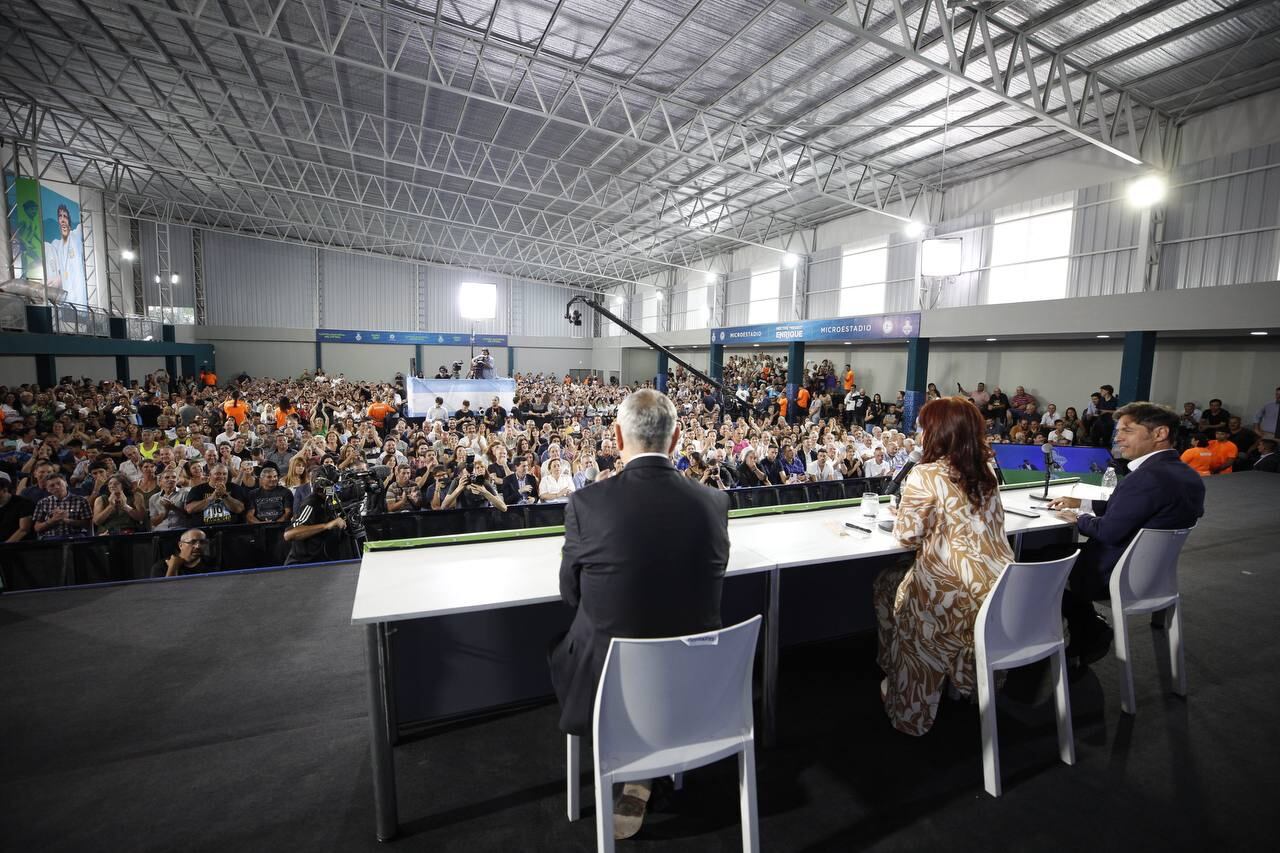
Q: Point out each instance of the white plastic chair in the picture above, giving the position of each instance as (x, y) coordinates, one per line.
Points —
(668, 705)
(1021, 623)
(1146, 580)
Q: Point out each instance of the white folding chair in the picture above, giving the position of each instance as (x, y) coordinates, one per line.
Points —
(1146, 580)
(1021, 623)
(668, 705)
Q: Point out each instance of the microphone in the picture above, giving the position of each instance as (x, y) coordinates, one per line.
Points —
(1047, 449)
(896, 484)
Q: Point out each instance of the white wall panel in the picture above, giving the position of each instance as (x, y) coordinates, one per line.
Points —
(537, 309)
(277, 359)
(1104, 243)
(365, 362)
(554, 361)
(140, 366)
(1243, 375)
(362, 292)
(96, 368)
(824, 283)
(252, 282)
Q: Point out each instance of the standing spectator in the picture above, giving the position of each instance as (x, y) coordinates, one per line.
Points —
(1214, 418)
(1104, 424)
(235, 408)
(61, 515)
(15, 512)
(1267, 421)
(270, 502)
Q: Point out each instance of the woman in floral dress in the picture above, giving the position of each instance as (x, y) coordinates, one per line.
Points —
(950, 513)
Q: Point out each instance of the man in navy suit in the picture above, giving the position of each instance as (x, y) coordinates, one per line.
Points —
(645, 553)
(1161, 492)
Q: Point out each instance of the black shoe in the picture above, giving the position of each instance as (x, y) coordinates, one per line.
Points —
(1089, 644)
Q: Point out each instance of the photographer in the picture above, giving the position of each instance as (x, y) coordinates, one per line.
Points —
(318, 532)
(716, 475)
(473, 490)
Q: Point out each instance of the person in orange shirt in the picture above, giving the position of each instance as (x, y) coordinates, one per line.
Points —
(208, 377)
(782, 406)
(378, 412)
(1199, 457)
(283, 410)
(848, 379)
(1224, 451)
(802, 403)
(236, 409)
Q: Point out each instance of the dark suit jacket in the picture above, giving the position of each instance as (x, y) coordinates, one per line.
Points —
(1164, 493)
(644, 556)
(1269, 463)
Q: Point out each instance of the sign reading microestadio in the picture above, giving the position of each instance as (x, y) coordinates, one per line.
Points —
(363, 336)
(875, 328)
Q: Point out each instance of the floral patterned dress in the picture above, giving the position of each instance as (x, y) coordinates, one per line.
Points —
(926, 613)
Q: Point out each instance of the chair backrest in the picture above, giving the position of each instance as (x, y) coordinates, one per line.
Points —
(1148, 568)
(673, 692)
(1024, 608)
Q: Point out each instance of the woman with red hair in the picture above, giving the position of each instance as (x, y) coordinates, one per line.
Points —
(950, 513)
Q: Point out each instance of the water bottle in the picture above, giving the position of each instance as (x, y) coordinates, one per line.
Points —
(1108, 481)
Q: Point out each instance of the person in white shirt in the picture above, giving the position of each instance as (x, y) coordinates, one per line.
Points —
(877, 465)
(557, 483)
(64, 259)
(1050, 416)
(438, 413)
(1060, 435)
(229, 433)
(822, 469)
(131, 467)
(1266, 422)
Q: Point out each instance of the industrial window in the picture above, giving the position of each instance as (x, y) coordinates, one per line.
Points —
(763, 307)
(1029, 254)
(697, 314)
(863, 273)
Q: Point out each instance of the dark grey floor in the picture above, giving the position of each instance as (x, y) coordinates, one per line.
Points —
(227, 714)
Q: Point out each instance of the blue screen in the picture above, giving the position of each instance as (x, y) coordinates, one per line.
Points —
(1071, 460)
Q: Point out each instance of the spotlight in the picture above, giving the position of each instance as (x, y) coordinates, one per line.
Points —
(173, 279)
(127, 254)
(661, 295)
(1258, 334)
(913, 229)
(709, 278)
(1147, 190)
(157, 279)
(790, 259)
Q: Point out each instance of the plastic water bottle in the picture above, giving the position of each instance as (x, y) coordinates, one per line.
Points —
(1108, 481)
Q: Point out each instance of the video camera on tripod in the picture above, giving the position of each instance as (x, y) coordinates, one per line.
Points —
(352, 495)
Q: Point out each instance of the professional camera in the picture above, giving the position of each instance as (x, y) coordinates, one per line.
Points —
(456, 369)
(353, 494)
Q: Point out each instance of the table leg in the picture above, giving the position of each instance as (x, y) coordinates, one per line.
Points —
(383, 761)
(769, 693)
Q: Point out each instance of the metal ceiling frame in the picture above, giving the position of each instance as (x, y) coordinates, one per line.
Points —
(639, 180)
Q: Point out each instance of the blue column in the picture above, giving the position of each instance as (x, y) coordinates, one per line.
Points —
(917, 381)
(511, 360)
(1136, 366)
(417, 357)
(715, 365)
(795, 375)
(319, 360)
(660, 380)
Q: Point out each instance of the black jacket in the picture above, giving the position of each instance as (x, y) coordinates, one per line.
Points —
(644, 556)
(1164, 493)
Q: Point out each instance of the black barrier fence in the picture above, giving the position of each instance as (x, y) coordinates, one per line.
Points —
(231, 547)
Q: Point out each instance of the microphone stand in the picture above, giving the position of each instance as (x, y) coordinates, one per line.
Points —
(1048, 473)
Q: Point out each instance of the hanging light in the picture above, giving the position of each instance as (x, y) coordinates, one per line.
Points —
(913, 229)
(1147, 190)
(790, 259)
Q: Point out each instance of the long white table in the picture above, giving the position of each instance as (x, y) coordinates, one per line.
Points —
(397, 585)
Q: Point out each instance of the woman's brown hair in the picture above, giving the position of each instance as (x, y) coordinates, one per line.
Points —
(953, 430)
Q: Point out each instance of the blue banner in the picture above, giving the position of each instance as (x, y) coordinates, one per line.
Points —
(875, 328)
(436, 339)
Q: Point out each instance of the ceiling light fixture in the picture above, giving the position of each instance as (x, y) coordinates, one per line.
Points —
(127, 254)
(993, 339)
(1258, 334)
(1102, 336)
(790, 259)
(914, 229)
(1147, 190)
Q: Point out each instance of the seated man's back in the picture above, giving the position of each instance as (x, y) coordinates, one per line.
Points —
(644, 556)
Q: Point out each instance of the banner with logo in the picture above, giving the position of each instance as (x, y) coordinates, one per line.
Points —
(22, 200)
(363, 336)
(873, 328)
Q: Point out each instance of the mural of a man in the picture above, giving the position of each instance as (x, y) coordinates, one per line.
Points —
(64, 258)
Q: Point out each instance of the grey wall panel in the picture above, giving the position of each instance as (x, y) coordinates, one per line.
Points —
(140, 366)
(18, 370)
(900, 292)
(739, 296)
(538, 310)
(824, 283)
(180, 261)
(968, 288)
(1104, 241)
(258, 282)
(362, 292)
(1223, 230)
(277, 359)
(365, 362)
(553, 361)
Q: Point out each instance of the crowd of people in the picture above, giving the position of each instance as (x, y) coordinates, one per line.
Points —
(86, 458)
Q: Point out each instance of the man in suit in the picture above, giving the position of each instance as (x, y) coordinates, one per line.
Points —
(1160, 492)
(644, 555)
(1269, 460)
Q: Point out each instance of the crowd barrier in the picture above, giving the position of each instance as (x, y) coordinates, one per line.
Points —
(126, 557)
